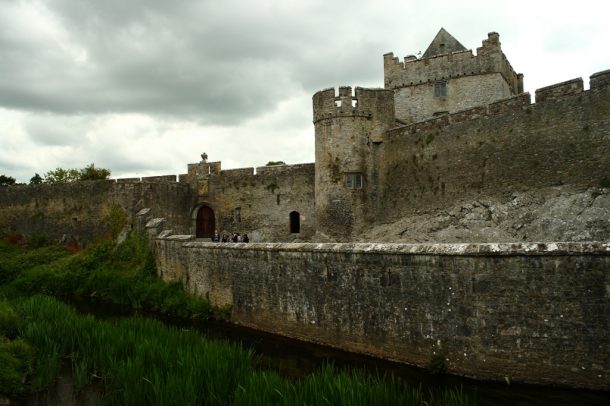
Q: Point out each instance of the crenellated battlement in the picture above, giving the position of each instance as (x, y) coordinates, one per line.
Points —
(597, 82)
(413, 71)
(250, 173)
(560, 92)
(237, 173)
(150, 179)
(600, 81)
(364, 103)
(511, 104)
(265, 171)
(284, 169)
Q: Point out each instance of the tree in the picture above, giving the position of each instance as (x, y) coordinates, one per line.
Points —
(36, 179)
(273, 163)
(6, 180)
(90, 172)
(61, 175)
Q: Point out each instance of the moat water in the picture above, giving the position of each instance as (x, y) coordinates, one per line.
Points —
(295, 359)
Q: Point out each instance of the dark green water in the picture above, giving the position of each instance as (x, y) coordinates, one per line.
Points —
(294, 359)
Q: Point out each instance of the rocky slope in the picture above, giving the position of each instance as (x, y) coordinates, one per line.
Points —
(550, 214)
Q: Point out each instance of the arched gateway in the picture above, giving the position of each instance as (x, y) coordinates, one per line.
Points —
(205, 222)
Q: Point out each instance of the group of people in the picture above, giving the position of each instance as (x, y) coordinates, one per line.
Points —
(236, 237)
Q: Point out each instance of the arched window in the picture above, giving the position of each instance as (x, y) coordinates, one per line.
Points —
(295, 222)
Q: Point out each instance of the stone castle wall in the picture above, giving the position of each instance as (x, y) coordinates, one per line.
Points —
(417, 103)
(510, 146)
(493, 310)
(81, 211)
(258, 203)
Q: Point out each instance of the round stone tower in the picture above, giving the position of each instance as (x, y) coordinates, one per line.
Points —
(348, 128)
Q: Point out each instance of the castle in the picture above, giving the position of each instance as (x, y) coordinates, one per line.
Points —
(507, 200)
(450, 150)
(450, 131)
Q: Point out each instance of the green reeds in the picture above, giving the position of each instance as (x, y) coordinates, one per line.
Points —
(16, 358)
(121, 274)
(327, 387)
(141, 361)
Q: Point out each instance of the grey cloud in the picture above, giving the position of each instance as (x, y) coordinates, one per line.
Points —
(119, 164)
(9, 166)
(48, 130)
(203, 61)
(227, 67)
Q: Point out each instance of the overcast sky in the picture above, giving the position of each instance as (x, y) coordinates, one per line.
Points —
(143, 87)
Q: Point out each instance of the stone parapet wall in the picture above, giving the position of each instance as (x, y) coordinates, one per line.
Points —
(162, 178)
(507, 105)
(534, 312)
(148, 179)
(559, 90)
(83, 211)
(284, 169)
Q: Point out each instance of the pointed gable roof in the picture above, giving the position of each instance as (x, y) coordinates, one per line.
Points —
(443, 43)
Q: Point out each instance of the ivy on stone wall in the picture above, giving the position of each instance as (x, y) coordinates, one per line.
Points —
(117, 218)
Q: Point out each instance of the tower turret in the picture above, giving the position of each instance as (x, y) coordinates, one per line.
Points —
(347, 128)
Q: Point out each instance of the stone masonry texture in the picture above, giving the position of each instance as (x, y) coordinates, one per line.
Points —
(80, 211)
(535, 313)
(559, 144)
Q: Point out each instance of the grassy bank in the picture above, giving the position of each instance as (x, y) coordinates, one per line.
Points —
(121, 274)
(141, 361)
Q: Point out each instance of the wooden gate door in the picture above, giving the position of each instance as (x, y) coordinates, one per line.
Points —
(205, 222)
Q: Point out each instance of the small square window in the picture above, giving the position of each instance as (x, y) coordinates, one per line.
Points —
(440, 89)
(354, 181)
